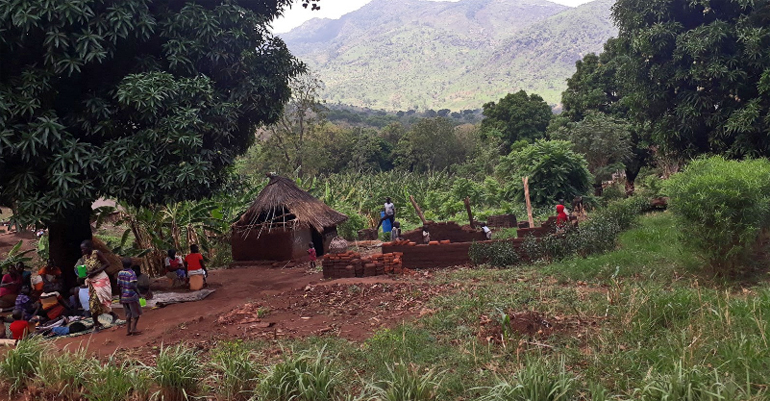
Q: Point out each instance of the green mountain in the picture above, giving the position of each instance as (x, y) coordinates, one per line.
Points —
(413, 54)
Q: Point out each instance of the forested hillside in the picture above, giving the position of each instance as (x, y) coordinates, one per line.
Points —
(411, 54)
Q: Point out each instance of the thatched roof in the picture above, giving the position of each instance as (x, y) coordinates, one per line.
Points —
(283, 204)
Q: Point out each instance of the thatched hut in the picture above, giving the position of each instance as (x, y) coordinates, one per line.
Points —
(281, 223)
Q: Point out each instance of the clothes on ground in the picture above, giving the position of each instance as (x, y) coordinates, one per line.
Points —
(127, 284)
(19, 329)
(24, 303)
(194, 262)
(132, 309)
(313, 254)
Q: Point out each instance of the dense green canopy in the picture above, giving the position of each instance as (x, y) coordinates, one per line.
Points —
(145, 101)
(699, 73)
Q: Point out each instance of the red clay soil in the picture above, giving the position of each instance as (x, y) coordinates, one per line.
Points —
(298, 304)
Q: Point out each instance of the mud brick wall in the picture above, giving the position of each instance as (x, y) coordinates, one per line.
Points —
(502, 221)
(428, 256)
(446, 231)
(352, 264)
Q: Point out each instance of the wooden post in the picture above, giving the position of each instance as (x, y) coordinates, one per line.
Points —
(468, 209)
(417, 209)
(529, 204)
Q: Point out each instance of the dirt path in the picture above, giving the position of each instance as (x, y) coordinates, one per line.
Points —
(294, 303)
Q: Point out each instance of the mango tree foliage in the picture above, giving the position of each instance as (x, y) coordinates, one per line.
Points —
(699, 73)
(145, 101)
(555, 172)
(517, 116)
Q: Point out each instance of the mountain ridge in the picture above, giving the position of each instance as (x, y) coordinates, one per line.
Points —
(412, 54)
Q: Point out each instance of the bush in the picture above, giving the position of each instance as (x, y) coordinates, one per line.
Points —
(349, 228)
(723, 207)
(497, 254)
(554, 171)
(177, 372)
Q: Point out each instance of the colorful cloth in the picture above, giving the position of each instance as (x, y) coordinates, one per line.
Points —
(561, 217)
(100, 294)
(194, 262)
(19, 329)
(127, 284)
(313, 255)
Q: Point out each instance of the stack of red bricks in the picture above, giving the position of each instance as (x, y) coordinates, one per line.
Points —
(352, 264)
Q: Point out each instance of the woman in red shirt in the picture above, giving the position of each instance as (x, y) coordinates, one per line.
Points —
(194, 262)
(561, 217)
(10, 286)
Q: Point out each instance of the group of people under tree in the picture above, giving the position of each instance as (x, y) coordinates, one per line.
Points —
(36, 300)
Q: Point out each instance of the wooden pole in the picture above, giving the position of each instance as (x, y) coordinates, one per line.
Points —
(417, 209)
(468, 209)
(529, 204)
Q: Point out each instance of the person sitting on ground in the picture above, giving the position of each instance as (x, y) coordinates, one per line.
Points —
(194, 262)
(142, 283)
(390, 213)
(20, 328)
(26, 304)
(129, 296)
(10, 286)
(51, 276)
(84, 297)
(175, 269)
(395, 232)
(313, 255)
(425, 235)
(99, 287)
(561, 217)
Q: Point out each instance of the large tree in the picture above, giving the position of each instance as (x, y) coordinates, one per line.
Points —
(699, 73)
(517, 117)
(145, 101)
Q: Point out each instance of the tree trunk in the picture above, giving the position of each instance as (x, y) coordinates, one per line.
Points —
(65, 236)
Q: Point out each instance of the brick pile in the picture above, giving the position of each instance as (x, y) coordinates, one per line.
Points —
(352, 264)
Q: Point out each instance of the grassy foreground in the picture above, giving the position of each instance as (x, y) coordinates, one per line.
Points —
(636, 323)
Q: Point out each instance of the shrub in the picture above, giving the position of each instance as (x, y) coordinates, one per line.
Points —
(723, 207)
(236, 375)
(497, 254)
(539, 380)
(405, 384)
(554, 171)
(301, 377)
(22, 362)
(177, 372)
(349, 228)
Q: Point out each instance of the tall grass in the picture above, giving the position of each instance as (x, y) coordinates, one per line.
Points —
(118, 381)
(303, 376)
(406, 383)
(65, 376)
(539, 380)
(177, 373)
(21, 363)
(236, 375)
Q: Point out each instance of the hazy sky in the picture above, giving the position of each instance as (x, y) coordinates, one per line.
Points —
(337, 8)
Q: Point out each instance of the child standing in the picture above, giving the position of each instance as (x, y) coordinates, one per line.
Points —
(313, 255)
(129, 296)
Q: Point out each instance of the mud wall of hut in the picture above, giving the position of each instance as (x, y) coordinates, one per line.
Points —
(275, 245)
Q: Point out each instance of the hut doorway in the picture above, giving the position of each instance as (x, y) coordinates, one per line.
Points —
(318, 242)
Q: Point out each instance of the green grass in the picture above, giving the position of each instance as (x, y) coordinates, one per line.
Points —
(637, 323)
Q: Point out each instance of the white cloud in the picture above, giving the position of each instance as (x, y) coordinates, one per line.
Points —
(337, 8)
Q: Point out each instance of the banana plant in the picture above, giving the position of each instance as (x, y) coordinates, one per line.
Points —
(14, 256)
